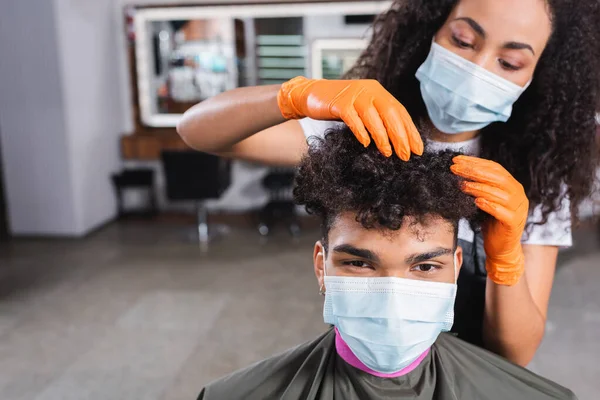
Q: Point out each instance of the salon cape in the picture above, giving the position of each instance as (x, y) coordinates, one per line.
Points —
(452, 370)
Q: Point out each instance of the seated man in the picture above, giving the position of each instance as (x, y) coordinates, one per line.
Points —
(387, 265)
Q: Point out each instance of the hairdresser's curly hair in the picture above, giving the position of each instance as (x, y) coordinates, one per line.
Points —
(550, 138)
(338, 175)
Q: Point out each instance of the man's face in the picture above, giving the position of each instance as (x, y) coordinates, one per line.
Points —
(416, 251)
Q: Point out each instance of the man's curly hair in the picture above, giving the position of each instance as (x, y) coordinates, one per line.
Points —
(339, 175)
(549, 141)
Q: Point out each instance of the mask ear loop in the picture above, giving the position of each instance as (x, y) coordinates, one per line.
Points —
(322, 288)
(456, 267)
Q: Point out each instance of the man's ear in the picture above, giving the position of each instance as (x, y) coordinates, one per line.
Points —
(319, 264)
(458, 259)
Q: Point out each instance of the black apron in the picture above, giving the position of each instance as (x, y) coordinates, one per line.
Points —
(470, 296)
(453, 370)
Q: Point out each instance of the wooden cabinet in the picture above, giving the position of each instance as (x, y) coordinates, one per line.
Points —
(148, 146)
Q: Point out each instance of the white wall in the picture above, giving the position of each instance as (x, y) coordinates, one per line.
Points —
(59, 114)
(35, 152)
(87, 34)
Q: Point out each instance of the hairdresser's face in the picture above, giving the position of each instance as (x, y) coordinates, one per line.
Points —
(506, 37)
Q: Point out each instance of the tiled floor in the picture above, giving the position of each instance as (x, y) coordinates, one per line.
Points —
(137, 312)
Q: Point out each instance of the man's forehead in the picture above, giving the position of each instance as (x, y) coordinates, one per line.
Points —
(388, 245)
(423, 230)
(414, 229)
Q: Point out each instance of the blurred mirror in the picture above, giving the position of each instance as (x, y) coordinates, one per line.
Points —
(185, 55)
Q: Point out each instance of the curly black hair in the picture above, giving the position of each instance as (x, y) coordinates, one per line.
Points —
(339, 175)
(549, 141)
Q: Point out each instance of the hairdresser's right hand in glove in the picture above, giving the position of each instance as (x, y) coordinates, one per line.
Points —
(499, 194)
(364, 105)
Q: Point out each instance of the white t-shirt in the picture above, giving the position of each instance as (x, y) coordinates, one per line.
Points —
(555, 232)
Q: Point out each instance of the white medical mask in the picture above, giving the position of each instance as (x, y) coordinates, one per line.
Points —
(461, 96)
(389, 322)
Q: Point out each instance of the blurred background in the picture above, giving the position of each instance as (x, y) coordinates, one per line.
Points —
(134, 268)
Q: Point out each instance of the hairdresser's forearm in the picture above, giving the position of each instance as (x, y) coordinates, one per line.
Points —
(216, 124)
(513, 325)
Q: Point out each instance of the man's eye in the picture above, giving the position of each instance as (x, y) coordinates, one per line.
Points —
(356, 263)
(426, 268)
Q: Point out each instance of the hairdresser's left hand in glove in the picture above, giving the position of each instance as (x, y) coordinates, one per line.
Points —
(499, 194)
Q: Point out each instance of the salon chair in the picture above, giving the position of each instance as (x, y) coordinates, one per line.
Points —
(196, 177)
(279, 183)
(140, 179)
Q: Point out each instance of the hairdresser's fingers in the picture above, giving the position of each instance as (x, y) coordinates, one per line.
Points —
(485, 173)
(397, 119)
(389, 111)
(478, 163)
(497, 211)
(416, 143)
(351, 118)
(372, 121)
(488, 192)
(398, 136)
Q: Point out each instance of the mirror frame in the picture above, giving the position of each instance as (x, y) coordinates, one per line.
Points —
(319, 45)
(143, 50)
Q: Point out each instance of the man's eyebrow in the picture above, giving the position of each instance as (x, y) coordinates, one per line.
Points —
(420, 257)
(355, 251)
(518, 46)
(476, 27)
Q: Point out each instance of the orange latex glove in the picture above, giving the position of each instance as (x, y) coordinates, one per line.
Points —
(362, 104)
(499, 194)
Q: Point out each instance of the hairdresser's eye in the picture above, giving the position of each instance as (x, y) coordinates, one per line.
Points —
(427, 268)
(507, 65)
(461, 44)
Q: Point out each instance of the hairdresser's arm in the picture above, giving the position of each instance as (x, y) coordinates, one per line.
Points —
(244, 123)
(515, 316)
(227, 124)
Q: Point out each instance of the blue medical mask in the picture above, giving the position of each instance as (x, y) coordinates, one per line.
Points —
(461, 96)
(388, 322)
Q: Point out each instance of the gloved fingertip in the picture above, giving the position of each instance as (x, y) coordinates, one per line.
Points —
(479, 201)
(403, 156)
(418, 146)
